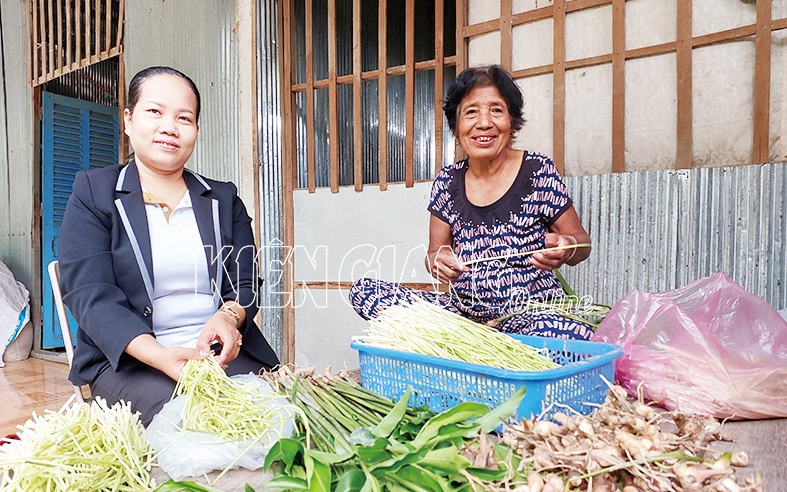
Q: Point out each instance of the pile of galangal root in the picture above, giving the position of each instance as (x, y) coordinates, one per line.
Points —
(625, 445)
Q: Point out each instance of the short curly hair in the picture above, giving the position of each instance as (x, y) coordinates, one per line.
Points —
(484, 76)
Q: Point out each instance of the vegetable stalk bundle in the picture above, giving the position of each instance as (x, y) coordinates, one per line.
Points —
(82, 447)
(360, 440)
(425, 328)
(229, 408)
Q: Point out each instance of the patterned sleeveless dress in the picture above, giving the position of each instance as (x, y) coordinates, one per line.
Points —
(517, 222)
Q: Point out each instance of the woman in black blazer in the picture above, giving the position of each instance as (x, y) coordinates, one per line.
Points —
(116, 224)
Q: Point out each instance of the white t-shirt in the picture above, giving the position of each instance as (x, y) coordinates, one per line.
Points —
(182, 298)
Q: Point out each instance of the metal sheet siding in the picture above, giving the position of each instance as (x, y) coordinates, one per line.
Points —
(659, 230)
(196, 38)
(18, 241)
(270, 155)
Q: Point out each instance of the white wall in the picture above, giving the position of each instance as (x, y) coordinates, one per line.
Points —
(723, 84)
(341, 237)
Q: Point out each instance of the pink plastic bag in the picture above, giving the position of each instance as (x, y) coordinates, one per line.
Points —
(708, 348)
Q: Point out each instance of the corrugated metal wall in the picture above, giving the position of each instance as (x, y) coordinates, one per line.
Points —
(196, 38)
(270, 155)
(424, 141)
(18, 193)
(659, 230)
(96, 83)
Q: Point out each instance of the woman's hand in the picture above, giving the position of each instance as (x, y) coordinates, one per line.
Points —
(549, 260)
(440, 259)
(444, 265)
(174, 360)
(169, 360)
(221, 328)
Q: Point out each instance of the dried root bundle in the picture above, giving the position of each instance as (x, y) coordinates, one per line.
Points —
(624, 445)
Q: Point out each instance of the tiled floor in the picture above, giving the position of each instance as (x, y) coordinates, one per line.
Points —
(28, 386)
(36, 384)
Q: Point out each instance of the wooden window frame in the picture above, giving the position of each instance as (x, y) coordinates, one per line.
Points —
(290, 90)
(683, 46)
(60, 45)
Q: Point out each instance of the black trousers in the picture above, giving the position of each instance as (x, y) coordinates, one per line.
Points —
(148, 389)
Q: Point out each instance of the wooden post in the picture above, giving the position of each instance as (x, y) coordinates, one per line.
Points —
(683, 55)
(618, 86)
(357, 99)
(762, 83)
(409, 93)
(382, 93)
(559, 87)
(289, 170)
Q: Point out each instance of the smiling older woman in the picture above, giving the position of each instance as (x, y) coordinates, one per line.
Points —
(501, 203)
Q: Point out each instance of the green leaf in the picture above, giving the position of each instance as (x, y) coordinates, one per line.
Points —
(353, 480)
(486, 474)
(389, 423)
(248, 488)
(447, 460)
(286, 483)
(459, 413)
(566, 288)
(393, 464)
(491, 420)
(375, 453)
(330, 458)
(422, 480)
(318, 475)
(371, 484)
(285, 450)
(466, 429)
(188, 486)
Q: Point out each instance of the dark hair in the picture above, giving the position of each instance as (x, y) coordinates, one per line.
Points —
(485, 76)
(135, 87)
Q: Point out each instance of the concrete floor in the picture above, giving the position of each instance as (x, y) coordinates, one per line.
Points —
(765, 441)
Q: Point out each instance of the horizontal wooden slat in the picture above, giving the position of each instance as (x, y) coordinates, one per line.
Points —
(779, 24)
(659, 49)
(60, 24)
(532, 15)
(493, 25)
(656, 49)
(76, 66)
(532, 72)
(482, 28)
(374, 74)
(589, 62)
(724, 36)
(576, 5)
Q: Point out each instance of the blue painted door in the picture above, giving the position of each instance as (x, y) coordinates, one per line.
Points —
(76, 135)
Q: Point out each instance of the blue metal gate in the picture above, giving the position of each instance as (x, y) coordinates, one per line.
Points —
(76, 135)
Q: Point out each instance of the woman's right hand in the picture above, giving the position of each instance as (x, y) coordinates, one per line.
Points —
(445, 266)
(175, 358)
(169, 360)
(441, 261)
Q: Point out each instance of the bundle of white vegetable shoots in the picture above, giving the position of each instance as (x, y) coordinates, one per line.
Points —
(425, 328)
(226, 407)
(81, 447)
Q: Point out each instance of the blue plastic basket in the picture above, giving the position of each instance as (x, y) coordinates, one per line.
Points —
(441, 383)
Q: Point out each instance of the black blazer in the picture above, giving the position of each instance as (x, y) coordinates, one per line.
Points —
(106, 263)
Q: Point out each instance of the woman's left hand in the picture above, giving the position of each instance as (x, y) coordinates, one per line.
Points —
(221, 329)
(549, 260)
